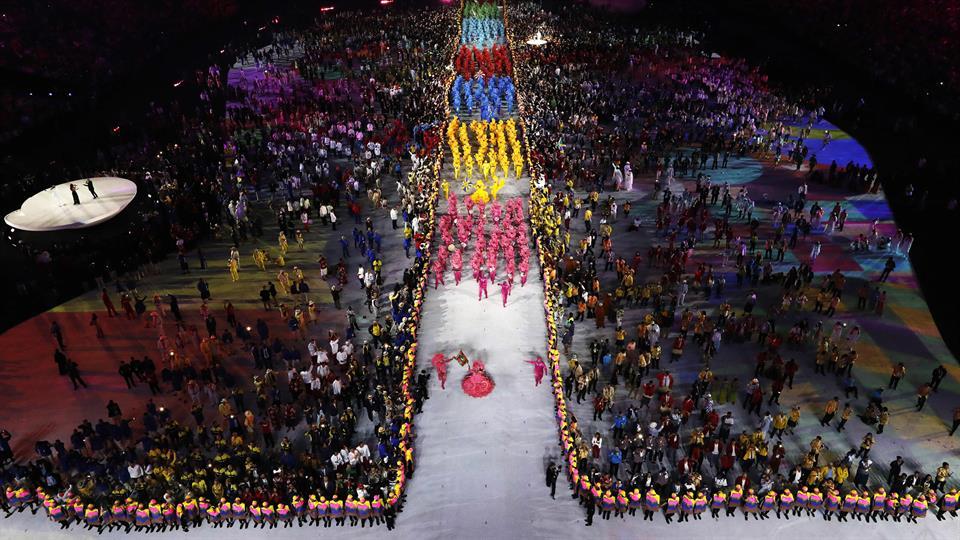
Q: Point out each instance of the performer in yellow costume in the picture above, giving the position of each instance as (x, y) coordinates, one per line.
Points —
(260, 258)
(517, 162)
(480, 194)
(496, 187)
(469, 163)
(234, 266)
(283, 282)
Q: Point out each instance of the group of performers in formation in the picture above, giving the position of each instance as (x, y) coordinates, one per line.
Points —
(495, 141)
(862, 505)
(158, 516)
(482, 30)
(492, 96)
(487, 62)
(508, 238)
(483, 67)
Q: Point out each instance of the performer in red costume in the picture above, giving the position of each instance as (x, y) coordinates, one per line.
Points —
(539, 369)
(440, 364)
(477, 383)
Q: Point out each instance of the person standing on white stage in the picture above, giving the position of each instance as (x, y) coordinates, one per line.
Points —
(89, 184)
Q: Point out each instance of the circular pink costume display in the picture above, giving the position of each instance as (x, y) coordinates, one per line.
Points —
(477, 383)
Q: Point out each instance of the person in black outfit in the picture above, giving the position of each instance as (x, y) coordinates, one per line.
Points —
(937, 377)
(127, 373)
(273, 292)
(153, 383)
(390, 516)
(263, 330)
(89, 184)
(74, 194)
(418, 399)
(422, 380)
(265, 297)
(175, 308)
(204, 288)
(895, 467)
(591, 508)
(113, 410)
(552, 473)
(211, 324)
(57, 334)
(887, 268)
(956, 421)
(74, 374)
(335, 290)
(136, 368)
(139, 305)
(61, 360)
(148, 366)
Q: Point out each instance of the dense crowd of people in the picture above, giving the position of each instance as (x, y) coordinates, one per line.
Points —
(599, 98)
(337, 126)
(328, 121)
(174, 155)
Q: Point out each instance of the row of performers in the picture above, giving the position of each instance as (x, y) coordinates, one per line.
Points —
(159, 516)
(829, 503)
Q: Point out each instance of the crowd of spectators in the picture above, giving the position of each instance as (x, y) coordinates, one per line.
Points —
(323, 122)
(598, 97)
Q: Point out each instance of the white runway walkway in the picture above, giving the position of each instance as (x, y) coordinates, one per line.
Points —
(480, 462)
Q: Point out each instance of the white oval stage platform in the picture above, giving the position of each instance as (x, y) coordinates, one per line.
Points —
(52, 209)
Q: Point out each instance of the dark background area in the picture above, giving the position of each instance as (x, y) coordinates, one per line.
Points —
(886, 70)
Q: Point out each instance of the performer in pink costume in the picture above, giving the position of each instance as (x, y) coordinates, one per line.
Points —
(437, 274)
(477, 383)
(452, 204)
(539, 369)
(510, 255)
(492, 247)
(496, 212)
(440, 364)
(476, 264)
(464, 224)
(505, 291)
(482, 282)
(457, 266)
